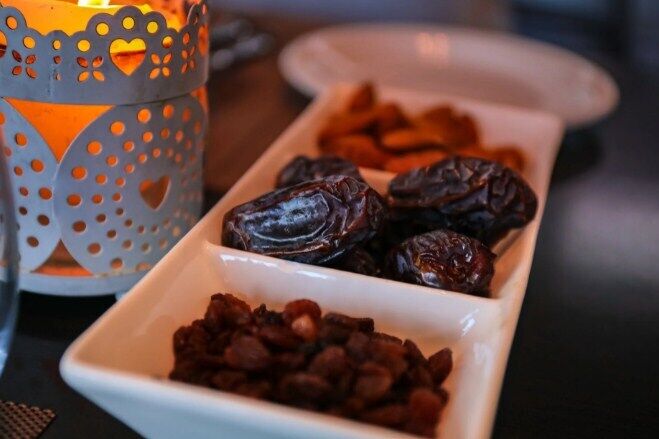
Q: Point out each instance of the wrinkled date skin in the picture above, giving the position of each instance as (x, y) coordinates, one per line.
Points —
(315, 222)
(302, 169)
(473, 196)
(443, 259)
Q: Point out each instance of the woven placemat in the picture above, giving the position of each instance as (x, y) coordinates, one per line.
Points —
(19, 421)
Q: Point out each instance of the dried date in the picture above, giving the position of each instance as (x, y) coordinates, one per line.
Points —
(443, 259)
(315, 222)
(359, 261)
(302, 169)
(472, 196)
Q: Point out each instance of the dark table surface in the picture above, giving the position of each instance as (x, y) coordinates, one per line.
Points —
(584, 359)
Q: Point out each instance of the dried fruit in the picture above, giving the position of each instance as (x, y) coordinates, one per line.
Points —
(359, 261)
(443, 259)
(300, 307)
(361, 324)
(405, 162)
(390, 117)
(410, 139)
(373, 382)
(508, 156)
(342, 125)
(419, 376)
(393, 415)
(330, 363)
(455, 130)
(360, 149)
(383, 136)
(304, 389)
(354, 372)
(288, 361)
(248, 353)
(227, 310)
(440, 365)
(424, 408)
(357, 346)
(302, 169)
(414, 354)
(473, 196)
(254, 389)
(305, 328)
(279, 336)
(314, 222)
(228, 379)
(363, 98)
(389, 354)
(264, 316)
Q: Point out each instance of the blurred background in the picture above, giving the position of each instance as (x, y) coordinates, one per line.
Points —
(629, 28)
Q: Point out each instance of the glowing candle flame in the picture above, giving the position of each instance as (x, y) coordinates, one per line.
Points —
(71, 16)
(94, 3)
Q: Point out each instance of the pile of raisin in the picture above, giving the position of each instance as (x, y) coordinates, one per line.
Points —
(434, 228)
(332, 363)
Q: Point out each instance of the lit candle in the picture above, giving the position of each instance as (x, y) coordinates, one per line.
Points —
(48, 15)
(69, 17)
(63, 85)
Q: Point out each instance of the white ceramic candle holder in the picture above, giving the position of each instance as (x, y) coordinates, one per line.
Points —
(104, 132)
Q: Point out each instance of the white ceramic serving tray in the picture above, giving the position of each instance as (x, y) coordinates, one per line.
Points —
(121, 363)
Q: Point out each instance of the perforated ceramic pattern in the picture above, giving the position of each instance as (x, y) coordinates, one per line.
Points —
(33, 167)
(109, 221)
(125, 58)
(129, 184)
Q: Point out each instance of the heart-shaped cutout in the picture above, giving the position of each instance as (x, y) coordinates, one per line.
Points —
(128, 55)
(154, 192)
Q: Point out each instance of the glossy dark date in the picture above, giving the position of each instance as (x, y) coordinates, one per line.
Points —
(315, 222)
(443, 259)
(473, 196)
(302, 169)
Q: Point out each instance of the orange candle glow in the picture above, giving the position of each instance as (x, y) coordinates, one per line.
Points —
(58, 123)
(73, 16)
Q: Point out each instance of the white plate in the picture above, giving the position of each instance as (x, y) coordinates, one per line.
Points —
(122, 361)
(489, 66)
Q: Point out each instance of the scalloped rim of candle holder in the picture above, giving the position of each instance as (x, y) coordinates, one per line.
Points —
(81, 68)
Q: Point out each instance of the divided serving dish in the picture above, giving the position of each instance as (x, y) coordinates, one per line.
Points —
(122, 361)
